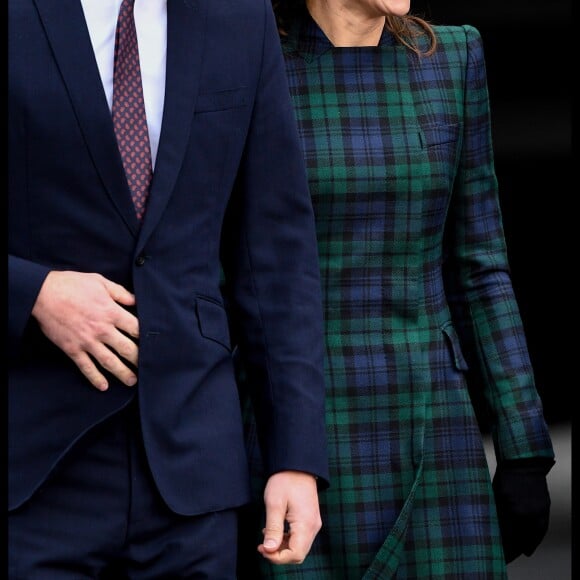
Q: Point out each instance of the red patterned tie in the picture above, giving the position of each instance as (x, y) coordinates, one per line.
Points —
(128, 109)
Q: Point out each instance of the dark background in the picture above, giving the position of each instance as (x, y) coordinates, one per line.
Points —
(528, 48)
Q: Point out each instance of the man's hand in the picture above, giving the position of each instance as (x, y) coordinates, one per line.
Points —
(290, 497)
(84, 315)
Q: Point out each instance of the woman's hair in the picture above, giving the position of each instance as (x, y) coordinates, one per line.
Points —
(407, 30)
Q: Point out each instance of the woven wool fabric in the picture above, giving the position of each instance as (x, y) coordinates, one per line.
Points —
(415, 281)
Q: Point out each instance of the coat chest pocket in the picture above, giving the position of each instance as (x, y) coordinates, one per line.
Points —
(442, 143)
(439, 134)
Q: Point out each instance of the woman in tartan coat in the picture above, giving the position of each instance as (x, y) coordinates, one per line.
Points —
(419, 307)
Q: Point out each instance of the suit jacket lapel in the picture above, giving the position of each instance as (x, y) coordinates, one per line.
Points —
(69, 37)
(185, 41)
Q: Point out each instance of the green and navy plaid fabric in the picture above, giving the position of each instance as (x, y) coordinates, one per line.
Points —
(415, 276)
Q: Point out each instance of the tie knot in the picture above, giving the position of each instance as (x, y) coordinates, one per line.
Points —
(125, 13)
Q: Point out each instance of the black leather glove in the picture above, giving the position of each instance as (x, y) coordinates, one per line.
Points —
(523, 504)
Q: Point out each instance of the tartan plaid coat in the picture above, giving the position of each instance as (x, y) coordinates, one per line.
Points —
(419, 309)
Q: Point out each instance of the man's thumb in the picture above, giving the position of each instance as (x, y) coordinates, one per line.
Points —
(273, 534)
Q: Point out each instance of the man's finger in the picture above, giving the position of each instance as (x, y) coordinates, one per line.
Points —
(273, 533)
(299, 544)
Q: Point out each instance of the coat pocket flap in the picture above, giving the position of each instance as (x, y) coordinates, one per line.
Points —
(454, 344)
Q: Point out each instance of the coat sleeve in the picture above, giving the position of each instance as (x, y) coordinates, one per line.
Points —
(481, 291)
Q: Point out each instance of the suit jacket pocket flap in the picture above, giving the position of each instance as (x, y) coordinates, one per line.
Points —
(213, 321)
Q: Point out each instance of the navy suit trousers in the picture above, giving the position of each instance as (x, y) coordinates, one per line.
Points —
(100, 510)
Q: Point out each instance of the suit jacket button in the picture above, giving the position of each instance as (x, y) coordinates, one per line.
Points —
(140, 260)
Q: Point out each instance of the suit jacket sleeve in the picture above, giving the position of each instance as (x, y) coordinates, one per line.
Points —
(272, 280)
(25, 280)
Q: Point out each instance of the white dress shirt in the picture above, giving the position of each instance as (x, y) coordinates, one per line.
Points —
(151, 24)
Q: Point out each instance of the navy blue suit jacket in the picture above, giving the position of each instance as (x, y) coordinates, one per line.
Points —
(229, 205)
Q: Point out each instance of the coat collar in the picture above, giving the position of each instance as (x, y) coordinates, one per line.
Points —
(308, 40)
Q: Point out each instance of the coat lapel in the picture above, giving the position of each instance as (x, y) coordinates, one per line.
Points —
(69, 38)
(185, 41)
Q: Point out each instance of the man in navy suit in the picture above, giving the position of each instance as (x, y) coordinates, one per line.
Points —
(125, 432)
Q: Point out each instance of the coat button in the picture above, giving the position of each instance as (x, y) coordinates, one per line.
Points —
(140, 260)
